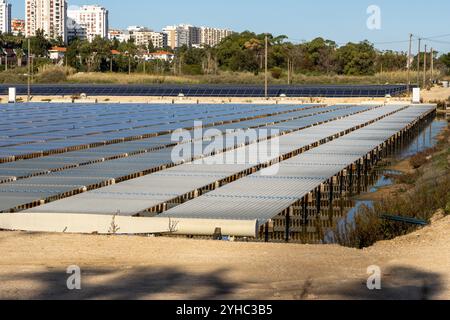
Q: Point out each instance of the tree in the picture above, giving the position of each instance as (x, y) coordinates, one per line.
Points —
(444, 60)
(150, 47)
(391, 61)
(356, 58)
(39, 44)
(19, 54)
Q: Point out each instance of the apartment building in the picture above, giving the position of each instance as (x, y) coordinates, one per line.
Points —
(17, 26)
(5, 17)
(93, 18)
(75, 30)
(47, 15)
(191, 36)
(172, 36)
(213, 36)
(144, 38)
(182, 35)
(119, 35)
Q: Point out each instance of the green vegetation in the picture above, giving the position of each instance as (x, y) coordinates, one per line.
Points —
(237, 59)
(426, 190)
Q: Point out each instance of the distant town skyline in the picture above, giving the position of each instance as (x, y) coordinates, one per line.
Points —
(342, 21)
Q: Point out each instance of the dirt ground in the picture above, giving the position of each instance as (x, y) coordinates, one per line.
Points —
(436, 93)
(33, 266)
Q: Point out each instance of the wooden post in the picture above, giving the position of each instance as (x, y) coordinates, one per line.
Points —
(425, 67)
(266, 75)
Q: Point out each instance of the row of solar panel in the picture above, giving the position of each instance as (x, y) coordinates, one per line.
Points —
(63, 113)
(216, 91)
(132, 121)
(74, 136)
(96, 175)
(128, 199)
(264, 197)
(62, 161)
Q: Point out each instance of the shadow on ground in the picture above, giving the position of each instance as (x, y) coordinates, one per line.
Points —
(398, 283)
(124, 284)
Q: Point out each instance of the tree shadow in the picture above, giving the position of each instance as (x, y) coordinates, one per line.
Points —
(127, 284)
(398, 283)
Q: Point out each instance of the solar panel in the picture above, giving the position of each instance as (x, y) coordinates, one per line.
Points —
(213, 90)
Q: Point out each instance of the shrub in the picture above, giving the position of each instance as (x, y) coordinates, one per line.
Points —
(53, 74)
(276, 72)
(14, 76)
(193, 69)
(421, 158)
(361, 233)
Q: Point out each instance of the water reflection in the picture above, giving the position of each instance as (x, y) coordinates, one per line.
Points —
(311, 220)
(427, 138)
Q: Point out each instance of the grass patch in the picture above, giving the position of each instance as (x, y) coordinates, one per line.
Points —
(225, 77)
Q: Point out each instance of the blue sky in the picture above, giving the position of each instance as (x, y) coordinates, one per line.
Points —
(342, 21)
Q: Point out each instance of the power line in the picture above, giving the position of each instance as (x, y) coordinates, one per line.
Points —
(437, 41)
(439, 36)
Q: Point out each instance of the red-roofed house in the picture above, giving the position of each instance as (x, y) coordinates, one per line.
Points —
(57, 53)
(162, 55)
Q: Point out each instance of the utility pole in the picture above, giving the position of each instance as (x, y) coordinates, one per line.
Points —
(29, 71)
(289, 70)
(409, 62)
(425, 67)
(418, 64)
(266, 83)
(432, 66)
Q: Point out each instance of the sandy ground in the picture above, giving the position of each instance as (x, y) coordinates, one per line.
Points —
(33, 266)
(436, 93)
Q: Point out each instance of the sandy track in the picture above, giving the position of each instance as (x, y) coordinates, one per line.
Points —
(33, 266)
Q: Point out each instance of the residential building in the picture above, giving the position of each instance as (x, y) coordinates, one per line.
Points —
(213, 36)
(161, 55)
(144, 38)
(120, 35)
(46, 15)
(159, 39)
(17, 27)
(172, 37)
(182, 35)
(93, 18)
(75, 30)
(133, 29)
(5, 16)
(191, 36)
(57, 53)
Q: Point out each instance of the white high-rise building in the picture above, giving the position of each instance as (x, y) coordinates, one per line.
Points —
(93, 18)
(47, 15)
(182, 35)
(213, 36)
(5, 17)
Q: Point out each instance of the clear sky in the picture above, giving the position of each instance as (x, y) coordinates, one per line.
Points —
(339, 20)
